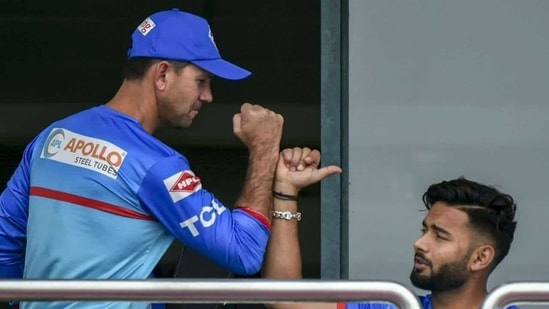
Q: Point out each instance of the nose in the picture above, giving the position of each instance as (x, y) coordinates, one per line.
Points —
(421, 244)
(206, 95)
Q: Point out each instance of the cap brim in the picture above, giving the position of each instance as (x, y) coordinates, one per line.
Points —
(222, 68)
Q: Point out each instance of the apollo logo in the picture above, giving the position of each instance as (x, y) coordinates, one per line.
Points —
(95, 150)
(83, 151)
(182, 184)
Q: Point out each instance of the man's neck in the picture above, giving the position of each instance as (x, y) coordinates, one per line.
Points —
(469, 296)
(137, 100)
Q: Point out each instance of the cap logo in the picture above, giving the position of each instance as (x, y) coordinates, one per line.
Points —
(146, 26)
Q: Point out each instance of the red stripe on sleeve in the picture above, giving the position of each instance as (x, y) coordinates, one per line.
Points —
(256, 214)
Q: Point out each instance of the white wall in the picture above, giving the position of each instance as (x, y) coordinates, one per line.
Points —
(440, 89)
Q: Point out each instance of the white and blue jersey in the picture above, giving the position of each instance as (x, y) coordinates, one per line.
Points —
(424, 300)
(97, 197)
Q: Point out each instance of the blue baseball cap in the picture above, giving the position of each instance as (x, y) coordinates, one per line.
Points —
(181, 36)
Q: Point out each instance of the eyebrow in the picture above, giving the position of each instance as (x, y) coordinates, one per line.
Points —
(206, 75)
(437, 228)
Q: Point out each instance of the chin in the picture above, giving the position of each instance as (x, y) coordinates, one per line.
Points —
(423, 283)
(184, 123)
(182, 126)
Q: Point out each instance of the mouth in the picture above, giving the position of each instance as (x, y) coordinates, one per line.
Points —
(421, 262)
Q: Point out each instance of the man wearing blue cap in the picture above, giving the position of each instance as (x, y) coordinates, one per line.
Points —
(97, 196)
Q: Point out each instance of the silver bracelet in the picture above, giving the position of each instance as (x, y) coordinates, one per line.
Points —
(287, 215)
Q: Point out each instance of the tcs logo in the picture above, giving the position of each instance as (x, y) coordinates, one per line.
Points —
(207, 218)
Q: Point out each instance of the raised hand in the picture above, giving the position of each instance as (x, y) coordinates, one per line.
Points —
(298, 168)
(258, 127)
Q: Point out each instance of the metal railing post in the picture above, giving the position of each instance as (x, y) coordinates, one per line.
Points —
(507, 294)
(208, 291)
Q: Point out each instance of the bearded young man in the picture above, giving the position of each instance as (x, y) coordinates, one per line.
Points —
(466, 233)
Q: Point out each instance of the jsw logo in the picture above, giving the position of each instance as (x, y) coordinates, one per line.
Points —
(146, 26)
(207, 218)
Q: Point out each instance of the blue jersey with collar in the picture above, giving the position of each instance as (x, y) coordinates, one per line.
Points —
(97, 197)
(424, 300)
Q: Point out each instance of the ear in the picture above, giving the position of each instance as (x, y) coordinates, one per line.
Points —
(482, 258)
(160, 74)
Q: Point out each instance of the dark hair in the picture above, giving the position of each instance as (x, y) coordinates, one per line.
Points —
(136, 68)
(490, 211)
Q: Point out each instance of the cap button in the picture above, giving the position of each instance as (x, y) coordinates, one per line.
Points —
(175, 9)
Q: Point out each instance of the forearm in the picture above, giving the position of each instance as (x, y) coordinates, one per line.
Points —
(257, 189)
(296, 169)
(283, 256)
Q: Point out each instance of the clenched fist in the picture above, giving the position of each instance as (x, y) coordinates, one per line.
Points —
(257, 126)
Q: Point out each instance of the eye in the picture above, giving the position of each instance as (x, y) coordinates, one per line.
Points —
(441, 237)
(423, 230)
